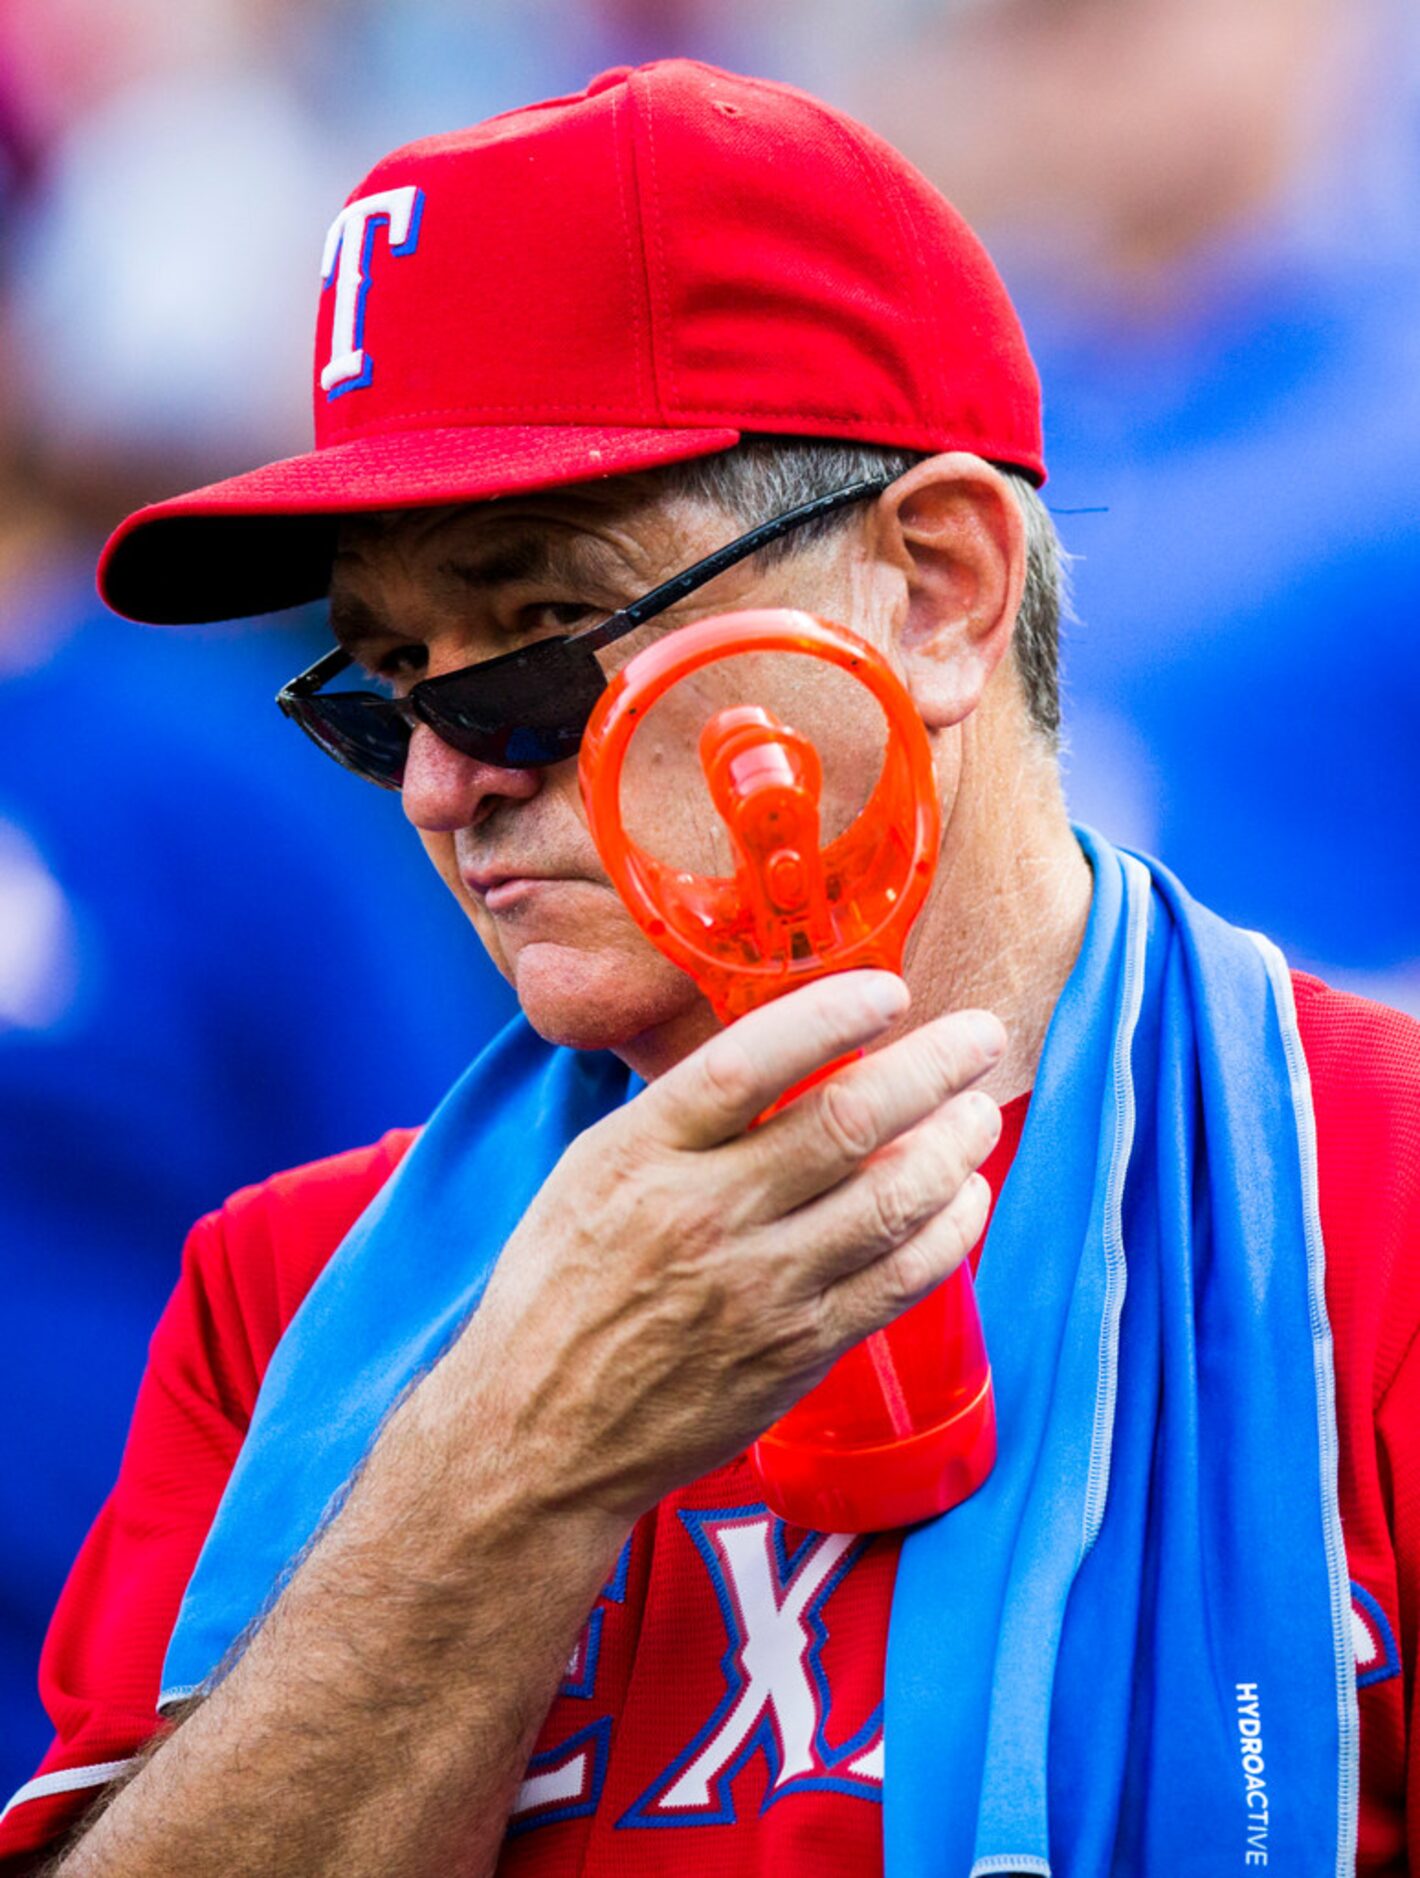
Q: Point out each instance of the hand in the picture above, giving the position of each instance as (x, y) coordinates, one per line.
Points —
(680, 1281)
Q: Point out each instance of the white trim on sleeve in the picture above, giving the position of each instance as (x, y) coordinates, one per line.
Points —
(67, 1780)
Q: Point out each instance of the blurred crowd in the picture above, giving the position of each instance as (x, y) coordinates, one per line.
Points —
(219, 957)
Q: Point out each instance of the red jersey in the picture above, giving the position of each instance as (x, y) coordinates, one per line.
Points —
(722, 1709)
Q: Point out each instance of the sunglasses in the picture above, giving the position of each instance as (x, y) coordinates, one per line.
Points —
(523, 709)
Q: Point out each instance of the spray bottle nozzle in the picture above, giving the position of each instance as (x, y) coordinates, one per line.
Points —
(766, 780)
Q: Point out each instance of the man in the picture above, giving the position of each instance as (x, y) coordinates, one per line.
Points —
(492, 1582)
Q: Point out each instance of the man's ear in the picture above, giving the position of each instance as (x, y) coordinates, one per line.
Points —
(956, 533)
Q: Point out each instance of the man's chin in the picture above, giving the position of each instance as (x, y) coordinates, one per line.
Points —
(594, 1000)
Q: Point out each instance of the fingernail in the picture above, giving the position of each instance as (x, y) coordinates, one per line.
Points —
(887, 995)
(987, 1034)
(987, 1114)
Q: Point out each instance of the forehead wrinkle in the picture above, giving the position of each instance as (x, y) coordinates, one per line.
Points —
(550, 551)
(603, 557)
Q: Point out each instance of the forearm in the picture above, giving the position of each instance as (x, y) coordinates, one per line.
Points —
(382, 1717)
(678, 1283)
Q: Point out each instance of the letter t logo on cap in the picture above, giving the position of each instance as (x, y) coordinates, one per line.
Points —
(348, 249)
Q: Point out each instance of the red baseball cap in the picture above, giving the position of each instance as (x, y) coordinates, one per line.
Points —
(634, 276)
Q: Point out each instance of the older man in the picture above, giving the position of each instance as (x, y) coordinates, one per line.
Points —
(459, 1563)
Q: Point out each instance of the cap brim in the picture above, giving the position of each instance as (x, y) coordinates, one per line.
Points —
(265, 540)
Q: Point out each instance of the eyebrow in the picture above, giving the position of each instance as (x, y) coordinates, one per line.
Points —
(526, 558)
(353, 622)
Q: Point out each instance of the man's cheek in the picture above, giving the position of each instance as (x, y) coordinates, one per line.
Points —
(440, 849)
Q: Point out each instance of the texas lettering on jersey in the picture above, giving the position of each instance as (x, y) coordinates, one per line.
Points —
(774, 1698)
(777, 1701)
(731, 1665)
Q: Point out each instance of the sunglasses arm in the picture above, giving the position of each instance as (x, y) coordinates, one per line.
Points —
(330, 665)
(661, 599)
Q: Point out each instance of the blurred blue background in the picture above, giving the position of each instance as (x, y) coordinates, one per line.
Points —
(219, 957)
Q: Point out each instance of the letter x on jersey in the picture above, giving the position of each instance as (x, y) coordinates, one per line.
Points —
(776, 1699)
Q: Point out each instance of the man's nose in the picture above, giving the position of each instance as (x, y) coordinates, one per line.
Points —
(445, 790)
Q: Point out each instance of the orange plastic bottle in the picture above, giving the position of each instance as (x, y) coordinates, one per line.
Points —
(903, 1426)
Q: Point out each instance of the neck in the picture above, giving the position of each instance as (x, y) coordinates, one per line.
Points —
(1004, 922)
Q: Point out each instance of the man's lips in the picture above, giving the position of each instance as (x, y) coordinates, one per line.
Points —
(499, 887)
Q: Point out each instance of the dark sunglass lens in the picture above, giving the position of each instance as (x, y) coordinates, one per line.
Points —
(364, 733)
(526, 748)
(522, 710)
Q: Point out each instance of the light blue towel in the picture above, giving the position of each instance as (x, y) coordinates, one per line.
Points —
(1153, 1578)
(1130, 1652)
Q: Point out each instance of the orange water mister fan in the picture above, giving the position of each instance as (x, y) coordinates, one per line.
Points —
(903, 1426)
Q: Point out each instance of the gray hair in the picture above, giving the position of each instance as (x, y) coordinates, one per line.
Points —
(764, 475)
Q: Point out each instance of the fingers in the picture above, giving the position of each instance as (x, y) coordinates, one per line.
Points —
(720, 1088)
(897, 1193)
(824, 1136)
(882, 1291)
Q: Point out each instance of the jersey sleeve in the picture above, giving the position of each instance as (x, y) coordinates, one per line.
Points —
(244, 1272)
(104, 1652)
(1365, 1079)
(1398, 1430)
